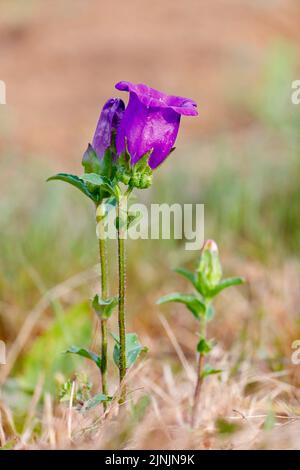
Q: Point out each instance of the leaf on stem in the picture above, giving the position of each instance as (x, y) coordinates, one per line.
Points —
(189, 275)
(231, 281)
(74, 181)
(133, 349)
(104, 308)
(192, 302)
(85, 353)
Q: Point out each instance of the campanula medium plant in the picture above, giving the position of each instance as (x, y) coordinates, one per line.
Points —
(207, 283)
(128, 145)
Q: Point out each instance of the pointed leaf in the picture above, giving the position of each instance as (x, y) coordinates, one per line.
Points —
(189, 275)
(190, 300)
(231, 281)
(74, 181)
(85, 353)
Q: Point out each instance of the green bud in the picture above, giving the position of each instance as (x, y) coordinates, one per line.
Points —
(209, 269)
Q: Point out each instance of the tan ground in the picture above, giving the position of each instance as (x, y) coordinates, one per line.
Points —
(61, 59)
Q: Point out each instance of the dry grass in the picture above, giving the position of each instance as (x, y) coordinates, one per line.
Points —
(255, 404)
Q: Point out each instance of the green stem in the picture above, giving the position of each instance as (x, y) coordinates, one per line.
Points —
(104, 295)
(121, 319)
(200, 366)
(122, 227)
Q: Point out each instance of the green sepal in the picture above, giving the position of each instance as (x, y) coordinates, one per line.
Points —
(142, 173)
(123, 167)
(83, 352)
(90, 161)
(193, 303)
(138, 175)
(104, 308)
(133, 349)
(100, 182)
(209, 370)
(204, 347)
(76, 182)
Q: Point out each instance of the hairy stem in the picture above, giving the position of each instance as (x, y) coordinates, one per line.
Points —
(104, 295)
(200, 366)
(121, 317)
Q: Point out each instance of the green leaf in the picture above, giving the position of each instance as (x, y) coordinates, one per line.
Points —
(189, 300)
(189, 275)
(99, 181)
(204, 347)
(95, 401)
(209, 370)
(74, 181)
(231, 281)
(104, 308)
(85, 353)
(133, 349)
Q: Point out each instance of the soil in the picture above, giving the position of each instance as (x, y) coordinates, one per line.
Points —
(60, 61)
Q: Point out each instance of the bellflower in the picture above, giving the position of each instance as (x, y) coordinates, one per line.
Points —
(151, 122)
(109, 120)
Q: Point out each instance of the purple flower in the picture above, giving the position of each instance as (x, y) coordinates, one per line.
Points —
(151, 121)
(108, 122)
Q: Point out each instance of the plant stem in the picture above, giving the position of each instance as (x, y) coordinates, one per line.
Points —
(197, 390)
(104, 295)
(121, 229)
(197, 393)
(121, 318)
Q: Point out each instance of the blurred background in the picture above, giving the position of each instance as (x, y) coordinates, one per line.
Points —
(241, 158)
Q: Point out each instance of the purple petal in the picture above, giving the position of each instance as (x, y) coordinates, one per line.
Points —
(110, 117)
(154, 98)
(147, 128)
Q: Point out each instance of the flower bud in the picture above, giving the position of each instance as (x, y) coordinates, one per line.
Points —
(209, 269)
